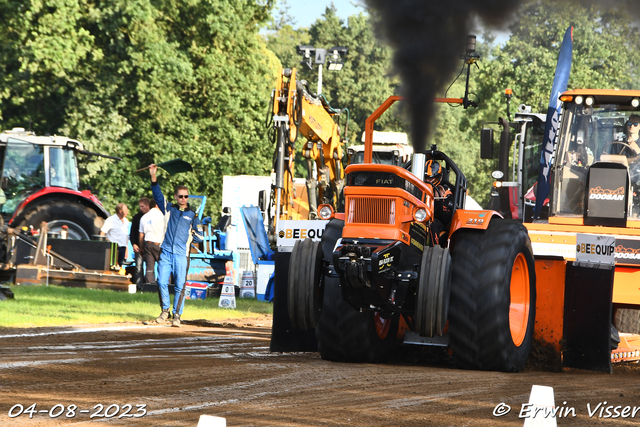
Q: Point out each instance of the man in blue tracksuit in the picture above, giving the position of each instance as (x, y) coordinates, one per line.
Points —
(181, 228)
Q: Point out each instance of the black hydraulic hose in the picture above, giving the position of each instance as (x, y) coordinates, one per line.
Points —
(280, 154)
(505, 145)
(269, 117)
(297, 109)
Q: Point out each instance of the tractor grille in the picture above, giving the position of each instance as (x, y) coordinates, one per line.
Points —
(382, 179)
(371, 211)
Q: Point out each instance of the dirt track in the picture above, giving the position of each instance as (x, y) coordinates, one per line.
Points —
(227, 371)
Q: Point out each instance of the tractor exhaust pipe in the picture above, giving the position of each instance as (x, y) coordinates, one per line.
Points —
(417, 165)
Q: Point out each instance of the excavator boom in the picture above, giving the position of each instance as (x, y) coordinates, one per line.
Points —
(296, 111)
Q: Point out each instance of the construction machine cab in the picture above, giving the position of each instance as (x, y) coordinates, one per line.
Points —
(594, 163)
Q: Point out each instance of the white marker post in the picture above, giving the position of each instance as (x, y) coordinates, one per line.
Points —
(247, 285)
(211, 421)
(228, 293)
(540, 411)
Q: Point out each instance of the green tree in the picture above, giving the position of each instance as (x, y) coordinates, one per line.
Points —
(282, 38)
(602, 42)
(364, 81)
(148, 81)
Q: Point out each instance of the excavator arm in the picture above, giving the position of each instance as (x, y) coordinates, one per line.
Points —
(295, 110)
(324, 147)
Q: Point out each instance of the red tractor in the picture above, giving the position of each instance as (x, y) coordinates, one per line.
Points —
(40, 182)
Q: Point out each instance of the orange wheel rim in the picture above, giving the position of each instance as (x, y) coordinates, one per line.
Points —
(520, 303)
(382, 326)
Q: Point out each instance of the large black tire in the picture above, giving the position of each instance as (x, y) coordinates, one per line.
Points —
(81, 220)
(486, 267)
(627, 320)
(433, 291)
(345, 334)
(4, 254)
(304, 298)
(6, 293)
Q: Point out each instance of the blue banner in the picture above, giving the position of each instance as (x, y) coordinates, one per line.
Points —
(560, 81)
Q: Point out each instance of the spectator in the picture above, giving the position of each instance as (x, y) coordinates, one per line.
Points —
(151, 234)
(134, 235)
(116, 228)
(181, 228)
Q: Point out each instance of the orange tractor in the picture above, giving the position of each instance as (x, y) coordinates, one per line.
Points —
(487, 288)
(404, 262)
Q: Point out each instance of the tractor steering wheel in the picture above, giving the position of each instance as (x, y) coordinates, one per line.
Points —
(626, 145)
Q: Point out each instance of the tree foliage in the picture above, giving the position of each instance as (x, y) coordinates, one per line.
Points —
(364, 81)
(154, 80)
(603, 44)
(145, 80)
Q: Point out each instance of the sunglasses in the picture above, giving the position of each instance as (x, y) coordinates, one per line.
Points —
(633, 123)
(182, 196)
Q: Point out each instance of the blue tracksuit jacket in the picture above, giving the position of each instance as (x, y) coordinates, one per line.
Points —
(181, 226)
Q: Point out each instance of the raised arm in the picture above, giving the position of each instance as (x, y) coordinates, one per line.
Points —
(155, 189)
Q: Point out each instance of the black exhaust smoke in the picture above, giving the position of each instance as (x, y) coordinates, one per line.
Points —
(429, 37)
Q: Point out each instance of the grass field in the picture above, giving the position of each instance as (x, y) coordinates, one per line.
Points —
(38, 305)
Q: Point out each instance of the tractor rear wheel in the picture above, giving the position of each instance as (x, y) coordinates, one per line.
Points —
(627, 320)
(493, 297)
(82, 221)
(345, 334)
(304, 297)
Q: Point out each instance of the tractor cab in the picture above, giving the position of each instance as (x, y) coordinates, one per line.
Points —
(596, 169)
(39, 182)
(449, 188)
(389, 148)
(31, 163)
(514, 191)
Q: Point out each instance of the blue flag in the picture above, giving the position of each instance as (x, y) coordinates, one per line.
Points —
(560, 81)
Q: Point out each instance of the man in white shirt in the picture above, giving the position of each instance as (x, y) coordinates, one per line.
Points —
(116, 228)
(151, 236)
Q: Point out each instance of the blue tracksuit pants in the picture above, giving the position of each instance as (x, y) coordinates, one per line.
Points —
(177, 264)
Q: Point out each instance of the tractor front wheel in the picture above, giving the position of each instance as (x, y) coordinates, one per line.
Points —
(347, 335)
(81, 221)
(433, 291)
(493, 297)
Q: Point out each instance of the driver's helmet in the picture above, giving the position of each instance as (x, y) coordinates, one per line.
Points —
(432, 172)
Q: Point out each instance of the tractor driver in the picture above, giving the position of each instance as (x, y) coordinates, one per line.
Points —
(629, 145)
(633, 132)
(633, 153)
(443, 202)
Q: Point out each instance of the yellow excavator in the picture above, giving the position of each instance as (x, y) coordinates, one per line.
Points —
(296, 111)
